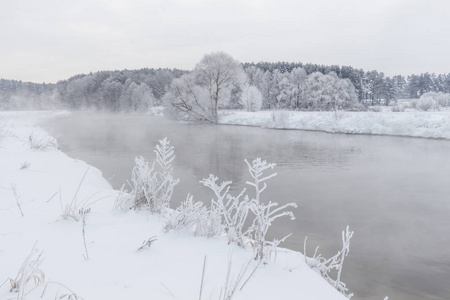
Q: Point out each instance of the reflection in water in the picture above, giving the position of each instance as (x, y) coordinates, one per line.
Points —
(393, 192)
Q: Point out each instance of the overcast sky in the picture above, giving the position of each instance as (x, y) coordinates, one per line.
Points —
(49, 40)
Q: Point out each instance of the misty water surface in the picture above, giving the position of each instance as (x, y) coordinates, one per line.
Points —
(393, 192)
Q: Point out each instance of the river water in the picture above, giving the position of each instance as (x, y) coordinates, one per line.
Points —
(394, 192)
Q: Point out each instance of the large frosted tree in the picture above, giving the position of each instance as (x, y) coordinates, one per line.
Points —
(186, 99)
(209, 87)
(328, 92)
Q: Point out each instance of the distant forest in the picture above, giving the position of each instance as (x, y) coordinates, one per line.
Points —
(136, 90)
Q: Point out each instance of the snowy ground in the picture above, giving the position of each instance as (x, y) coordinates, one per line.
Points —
(43, 180)
(410, 123)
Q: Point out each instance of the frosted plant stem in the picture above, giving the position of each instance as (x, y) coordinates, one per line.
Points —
(13, 187)
(84, 213)
(173, 296)
(84, 239)
(203, 275)
(79, 185)
(253, 272)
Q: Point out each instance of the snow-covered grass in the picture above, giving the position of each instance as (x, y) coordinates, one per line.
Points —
(431, 124)
(45, 180)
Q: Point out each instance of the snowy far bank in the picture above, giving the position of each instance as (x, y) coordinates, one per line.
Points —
(37, 182)
(410, 123)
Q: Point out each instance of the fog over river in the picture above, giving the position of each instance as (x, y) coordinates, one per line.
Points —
(394, 192)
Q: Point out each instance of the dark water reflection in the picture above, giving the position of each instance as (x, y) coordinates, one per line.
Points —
(393, 192)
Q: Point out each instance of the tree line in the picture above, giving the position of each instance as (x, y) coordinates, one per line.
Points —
(279, 85)
(372, 87)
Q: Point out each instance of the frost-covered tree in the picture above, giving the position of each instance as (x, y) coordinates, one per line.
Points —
(313, 91)
(219, 73)
(111, 91)
(251, 98)
(210, 86)
(80, 92)
(186, 99)
(344, 95)
(254, 75)
(159, 83)
(136, 97)
(284, 93)
(297, 79)
(328, 92)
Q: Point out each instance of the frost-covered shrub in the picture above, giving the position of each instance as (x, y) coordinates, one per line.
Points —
(358, 107)
(186, 215)
(442, 99)
(397, 108)
(231, 214)
(392, 103)
(124, 200)
(209, 224)
(194, 215)
(29, 273)
(375, 108)
(325, 266)
(427, 103)
(42, 142)
(143, 180)
(152, 186)
(30, 281)
(232, 210)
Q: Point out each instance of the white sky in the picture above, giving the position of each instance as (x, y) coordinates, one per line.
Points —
(48, 40)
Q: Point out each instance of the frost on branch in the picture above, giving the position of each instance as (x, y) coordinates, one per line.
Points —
(165, 181)
(265, 214)
(194, 215)
(231, 213)
(209, 224)
(186, 215)
(152, 186)
(143, 180)
(325, 266)
(232, 210)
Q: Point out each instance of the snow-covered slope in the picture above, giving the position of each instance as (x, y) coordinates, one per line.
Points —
(43, 180)
(410, 123)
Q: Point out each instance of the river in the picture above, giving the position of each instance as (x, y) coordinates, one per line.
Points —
(394, 192)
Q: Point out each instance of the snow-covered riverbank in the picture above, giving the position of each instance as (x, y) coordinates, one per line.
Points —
(410, 123)
(38, 181)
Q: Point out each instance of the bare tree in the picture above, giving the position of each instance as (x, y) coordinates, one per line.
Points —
(187, 99)
(201, 93)
(218, 73)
